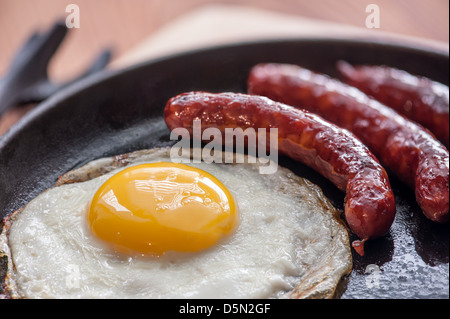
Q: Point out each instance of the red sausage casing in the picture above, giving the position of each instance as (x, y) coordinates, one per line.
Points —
(418, 98)
(403, 146)
(332, 151)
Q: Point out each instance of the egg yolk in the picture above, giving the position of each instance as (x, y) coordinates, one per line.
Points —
(159, 207)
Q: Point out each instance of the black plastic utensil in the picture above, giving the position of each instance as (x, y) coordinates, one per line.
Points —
(27, 79)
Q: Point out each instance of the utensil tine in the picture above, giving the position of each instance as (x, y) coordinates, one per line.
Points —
(40, 91)
(27, 78)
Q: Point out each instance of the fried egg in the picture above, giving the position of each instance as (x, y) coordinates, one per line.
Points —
(155, 208)
(140, 226)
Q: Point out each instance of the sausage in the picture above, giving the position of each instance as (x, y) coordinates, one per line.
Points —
(418, 98)
(402, 146)
(332, 151)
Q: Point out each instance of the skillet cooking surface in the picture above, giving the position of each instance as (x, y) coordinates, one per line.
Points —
(121, 111)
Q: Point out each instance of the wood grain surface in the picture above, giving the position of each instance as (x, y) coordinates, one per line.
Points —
(122, 24)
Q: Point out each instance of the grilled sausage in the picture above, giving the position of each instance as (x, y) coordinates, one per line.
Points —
(418, 98)
(406, 148)
(332, 151)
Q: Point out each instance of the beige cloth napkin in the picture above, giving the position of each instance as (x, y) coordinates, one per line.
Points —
(217, 24)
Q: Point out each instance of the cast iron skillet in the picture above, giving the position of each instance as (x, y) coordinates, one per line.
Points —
(121, 111)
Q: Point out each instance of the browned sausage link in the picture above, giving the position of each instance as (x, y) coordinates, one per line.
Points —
(404, 147)
(334, 152)
(418, 98)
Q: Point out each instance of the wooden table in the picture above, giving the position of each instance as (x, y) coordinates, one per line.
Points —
(123, 25)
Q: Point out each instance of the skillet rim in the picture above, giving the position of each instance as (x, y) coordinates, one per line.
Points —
(104, 75)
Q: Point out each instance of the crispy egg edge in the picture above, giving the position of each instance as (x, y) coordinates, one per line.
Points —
(324, 281)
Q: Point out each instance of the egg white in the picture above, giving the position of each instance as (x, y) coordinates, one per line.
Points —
(287, 241)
